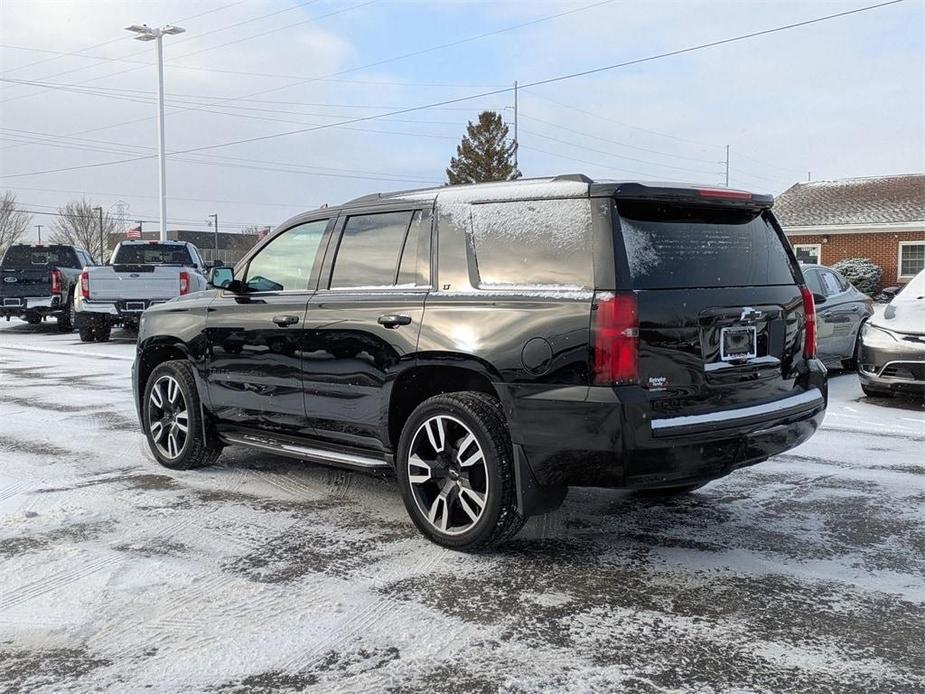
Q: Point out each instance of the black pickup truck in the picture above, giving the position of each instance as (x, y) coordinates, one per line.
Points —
(38, 281)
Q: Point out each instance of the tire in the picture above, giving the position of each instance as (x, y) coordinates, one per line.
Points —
(66, 317)
(102, 333)
(876, 392)
(484, 475)
(32, 319)
(173, 448)
(86, 334)
(664, 492)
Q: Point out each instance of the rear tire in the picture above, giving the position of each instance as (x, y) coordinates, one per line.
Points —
(32, 319)
(86, 334)
(102, 333)
(172, 419)
(455, 469)
(665, 492)
(65, 318)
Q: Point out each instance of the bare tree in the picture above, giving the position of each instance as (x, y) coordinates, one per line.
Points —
(13, 222)
(78, 224)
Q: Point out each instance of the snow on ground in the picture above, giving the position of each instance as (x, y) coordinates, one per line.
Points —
(805, 573)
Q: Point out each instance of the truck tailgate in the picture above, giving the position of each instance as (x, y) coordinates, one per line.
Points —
(20, 282)
(134, 282)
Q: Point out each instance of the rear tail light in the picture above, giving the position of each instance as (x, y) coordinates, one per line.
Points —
(55, 276)
(615, 326)
(184, 283)
(809, 308)
(85, 284)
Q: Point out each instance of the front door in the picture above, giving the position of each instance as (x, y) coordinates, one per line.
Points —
(256, 337)
(363, 323)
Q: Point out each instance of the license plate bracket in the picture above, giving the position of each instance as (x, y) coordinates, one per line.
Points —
(12, 303)
(737, 343)
(135, 306)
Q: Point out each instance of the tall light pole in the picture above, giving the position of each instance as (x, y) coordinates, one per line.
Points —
(146, 33)
(214, 217)
(102, 246)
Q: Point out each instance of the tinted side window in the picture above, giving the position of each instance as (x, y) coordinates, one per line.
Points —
(286, 262)
(679, 246)
(369, 250)
(832, 285)
(533, 243)
(814, 282)
(415, 258)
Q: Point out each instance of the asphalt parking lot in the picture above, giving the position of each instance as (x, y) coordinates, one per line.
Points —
(805, 573)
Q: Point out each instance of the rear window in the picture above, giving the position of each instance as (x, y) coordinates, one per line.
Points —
(674, 246)
(533, 243)
(28, 256)
(152, 254)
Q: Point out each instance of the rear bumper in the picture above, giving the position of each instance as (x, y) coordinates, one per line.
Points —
(607, 437)
(29, 304)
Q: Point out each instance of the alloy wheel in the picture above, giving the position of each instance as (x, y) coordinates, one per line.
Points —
(448, 474)
(168, 417)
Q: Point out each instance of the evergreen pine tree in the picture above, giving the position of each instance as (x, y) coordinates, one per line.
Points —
(484, 153)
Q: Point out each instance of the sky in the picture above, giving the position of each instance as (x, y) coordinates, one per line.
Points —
(841, 98)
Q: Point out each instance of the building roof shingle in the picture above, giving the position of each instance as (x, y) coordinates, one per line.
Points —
(868, 200)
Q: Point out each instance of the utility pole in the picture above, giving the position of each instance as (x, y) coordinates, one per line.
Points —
(809, 176)
(516, 141)
(214, 217)
(102, 243)
(39, 227)
(146, 33)
(727, 166)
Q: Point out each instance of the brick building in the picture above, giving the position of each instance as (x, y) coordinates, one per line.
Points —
(876, 217)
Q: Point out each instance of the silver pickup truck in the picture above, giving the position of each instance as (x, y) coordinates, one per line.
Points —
(140, 274)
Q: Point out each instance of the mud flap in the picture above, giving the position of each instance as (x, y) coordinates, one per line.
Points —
(533, 499)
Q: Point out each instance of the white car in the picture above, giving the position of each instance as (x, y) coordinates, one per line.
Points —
(140, 274)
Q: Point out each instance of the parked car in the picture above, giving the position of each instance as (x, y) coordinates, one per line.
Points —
(841, 311)
(140, 274)
(891, 353)
(37, 281)
(496, 343)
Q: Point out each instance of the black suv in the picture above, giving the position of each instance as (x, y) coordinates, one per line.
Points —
(495, 343)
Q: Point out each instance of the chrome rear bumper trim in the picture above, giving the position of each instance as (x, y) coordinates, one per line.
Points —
(805, 400)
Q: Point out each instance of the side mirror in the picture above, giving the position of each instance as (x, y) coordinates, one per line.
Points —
(221, 277)
(818, 299)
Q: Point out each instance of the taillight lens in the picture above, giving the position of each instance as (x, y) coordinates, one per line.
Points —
(55, 282)
(809, 308)
(85, 284)
(615, 325)
(184, 283)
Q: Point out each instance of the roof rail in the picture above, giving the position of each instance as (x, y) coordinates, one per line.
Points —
(580, 178)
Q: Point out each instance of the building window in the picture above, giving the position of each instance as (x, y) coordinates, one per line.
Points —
(911, 258)
(808, 252)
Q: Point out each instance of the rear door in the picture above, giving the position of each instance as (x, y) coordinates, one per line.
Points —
(363, 323)
(720, 310)
(256, 339)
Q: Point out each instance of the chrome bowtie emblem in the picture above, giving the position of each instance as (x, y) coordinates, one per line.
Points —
(749, 313)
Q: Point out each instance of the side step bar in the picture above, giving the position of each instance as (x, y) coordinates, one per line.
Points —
(321, 455)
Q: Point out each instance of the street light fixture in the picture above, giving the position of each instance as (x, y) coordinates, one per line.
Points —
(145, 33)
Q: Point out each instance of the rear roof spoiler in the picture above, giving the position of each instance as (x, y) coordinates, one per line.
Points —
(693, 194)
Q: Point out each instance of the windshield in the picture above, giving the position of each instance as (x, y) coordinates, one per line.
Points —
(28, 256)
(152, 254)
(672, 246)
(915, 289)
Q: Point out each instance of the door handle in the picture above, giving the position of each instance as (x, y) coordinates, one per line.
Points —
(393, 321)
(283, 321)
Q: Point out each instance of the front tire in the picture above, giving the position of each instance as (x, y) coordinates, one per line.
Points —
(456, 473)
(172, 419)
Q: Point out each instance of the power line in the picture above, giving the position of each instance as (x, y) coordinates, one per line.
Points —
(550, 80)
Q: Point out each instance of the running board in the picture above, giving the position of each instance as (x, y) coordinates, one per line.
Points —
(294, 451)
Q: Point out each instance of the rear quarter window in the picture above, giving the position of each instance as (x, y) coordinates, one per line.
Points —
(533, 243)
(674, 246)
